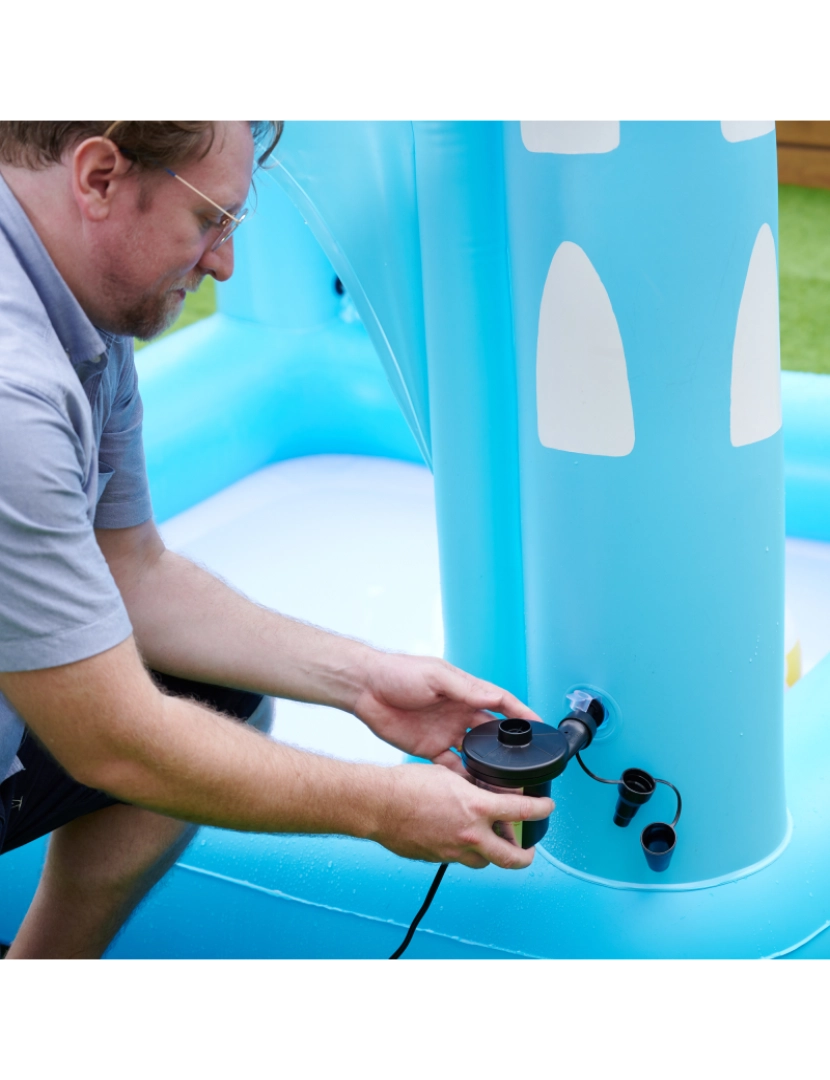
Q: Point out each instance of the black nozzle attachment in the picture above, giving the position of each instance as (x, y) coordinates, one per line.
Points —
(658, 841)
(596, 710)
(634, 789)
(515, 732)
(579, 727)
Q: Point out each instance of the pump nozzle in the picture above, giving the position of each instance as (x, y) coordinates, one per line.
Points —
(580, 725)
(634, 790)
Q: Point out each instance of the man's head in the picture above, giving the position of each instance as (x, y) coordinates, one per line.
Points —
(130, 210)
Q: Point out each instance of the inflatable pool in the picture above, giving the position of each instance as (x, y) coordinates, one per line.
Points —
(540, 432)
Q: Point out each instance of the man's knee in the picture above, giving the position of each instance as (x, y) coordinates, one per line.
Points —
(119, 850)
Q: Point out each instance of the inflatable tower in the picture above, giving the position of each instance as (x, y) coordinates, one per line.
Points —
(598, 389)
(594, 378)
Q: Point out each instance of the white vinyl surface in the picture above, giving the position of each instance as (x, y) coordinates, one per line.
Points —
(349, 543)
(808, 598)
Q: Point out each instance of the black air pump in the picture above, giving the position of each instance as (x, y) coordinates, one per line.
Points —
(526, 755)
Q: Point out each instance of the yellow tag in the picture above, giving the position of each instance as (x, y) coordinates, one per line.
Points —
(792, 669)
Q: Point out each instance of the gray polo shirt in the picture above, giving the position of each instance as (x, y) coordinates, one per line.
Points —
(71, 460)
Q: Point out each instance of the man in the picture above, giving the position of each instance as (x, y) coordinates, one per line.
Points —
(118, 730)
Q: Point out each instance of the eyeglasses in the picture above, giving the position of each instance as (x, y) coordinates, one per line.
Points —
(227, 224)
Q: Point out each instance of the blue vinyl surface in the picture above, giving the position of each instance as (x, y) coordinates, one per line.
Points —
(652, 574)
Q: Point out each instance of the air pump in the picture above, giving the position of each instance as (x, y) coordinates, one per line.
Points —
(525, 756)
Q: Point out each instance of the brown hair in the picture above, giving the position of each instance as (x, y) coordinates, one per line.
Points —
(151, 144)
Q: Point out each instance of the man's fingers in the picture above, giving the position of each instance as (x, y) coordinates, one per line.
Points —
(452, 762)
(521, 808)
(474, 860)
(504, 854)
(484, 695)
(509, 705)
(488, 696)
(482, 717)
(502, 850)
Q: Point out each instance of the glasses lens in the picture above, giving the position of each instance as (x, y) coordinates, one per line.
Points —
(228, 231)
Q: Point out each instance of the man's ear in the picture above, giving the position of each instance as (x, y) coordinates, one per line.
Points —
(98, 173)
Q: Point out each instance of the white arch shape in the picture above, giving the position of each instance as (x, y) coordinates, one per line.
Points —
(583, 400)
(741, 130)
(755, 399)
(570, 136)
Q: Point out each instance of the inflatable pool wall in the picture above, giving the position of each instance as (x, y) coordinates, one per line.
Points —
(600, 319)
(577, 322)
(283, 369)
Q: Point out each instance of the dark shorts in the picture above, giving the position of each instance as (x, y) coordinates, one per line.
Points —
(43, 796)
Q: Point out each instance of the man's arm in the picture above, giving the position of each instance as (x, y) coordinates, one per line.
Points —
(189, 623)
(112, 729)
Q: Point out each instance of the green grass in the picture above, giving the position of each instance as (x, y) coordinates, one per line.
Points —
(804, 273)
(804, 268)
(197, 306)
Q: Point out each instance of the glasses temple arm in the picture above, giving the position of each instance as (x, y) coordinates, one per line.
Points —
(202, 195)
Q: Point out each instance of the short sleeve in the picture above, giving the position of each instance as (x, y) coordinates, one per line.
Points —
(59, 601)
(125, 501)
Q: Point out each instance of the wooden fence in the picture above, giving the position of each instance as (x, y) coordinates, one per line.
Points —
(804, 152)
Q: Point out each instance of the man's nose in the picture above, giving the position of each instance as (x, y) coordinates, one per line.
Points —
(219, 263)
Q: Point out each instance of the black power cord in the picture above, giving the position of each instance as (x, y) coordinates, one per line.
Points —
(433, 889)
(442, 869)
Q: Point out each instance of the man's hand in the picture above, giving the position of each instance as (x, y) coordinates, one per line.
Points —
(424, 705)
(436, 816)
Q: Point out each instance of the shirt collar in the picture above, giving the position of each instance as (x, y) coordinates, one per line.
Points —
(81, 341)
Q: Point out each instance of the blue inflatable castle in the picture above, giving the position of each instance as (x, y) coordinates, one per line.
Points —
(574, 326)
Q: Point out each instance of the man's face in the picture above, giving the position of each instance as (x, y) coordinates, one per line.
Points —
(158, 244)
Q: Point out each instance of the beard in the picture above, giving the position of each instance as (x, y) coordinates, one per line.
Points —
(148, 315)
